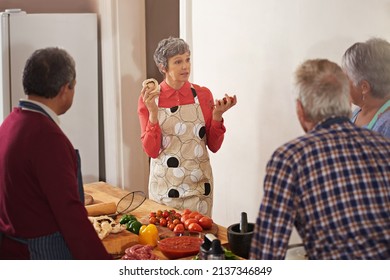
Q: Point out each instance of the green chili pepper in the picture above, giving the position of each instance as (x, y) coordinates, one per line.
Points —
(126, 218)
(133, 226)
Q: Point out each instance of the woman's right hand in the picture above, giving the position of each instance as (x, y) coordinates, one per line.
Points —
(149, 100)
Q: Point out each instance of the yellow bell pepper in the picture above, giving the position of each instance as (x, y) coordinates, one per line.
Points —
(148, 235)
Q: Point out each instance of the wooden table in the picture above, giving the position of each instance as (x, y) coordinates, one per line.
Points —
(103, 192)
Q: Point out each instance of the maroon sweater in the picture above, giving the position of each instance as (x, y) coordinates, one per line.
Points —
(38, 188)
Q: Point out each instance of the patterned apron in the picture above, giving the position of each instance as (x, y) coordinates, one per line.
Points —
(181, 176)
(52, 246)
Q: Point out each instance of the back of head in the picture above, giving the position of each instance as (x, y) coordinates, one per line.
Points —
(168, 48)
(323, 90)
(369, 61)
(46, 71)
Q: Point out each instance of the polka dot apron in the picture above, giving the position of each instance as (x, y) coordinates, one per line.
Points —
(181, 176)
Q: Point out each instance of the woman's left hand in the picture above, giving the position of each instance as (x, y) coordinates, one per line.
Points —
(222, 105)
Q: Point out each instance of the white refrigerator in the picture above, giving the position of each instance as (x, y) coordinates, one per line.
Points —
(20, 35)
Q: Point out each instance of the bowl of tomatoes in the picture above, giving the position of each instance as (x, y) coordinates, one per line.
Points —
(180, 246)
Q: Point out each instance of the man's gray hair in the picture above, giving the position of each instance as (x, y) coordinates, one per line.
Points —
(323, 90)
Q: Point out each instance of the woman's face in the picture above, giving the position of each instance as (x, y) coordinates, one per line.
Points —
(178, 70)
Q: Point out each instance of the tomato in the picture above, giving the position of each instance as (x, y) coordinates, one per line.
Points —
(163, 222)
(177, 215)
(206, 222)
(176, 221)
(152, 220)
(179, 228)
(165, 214)
(189, 221)
(184, 218)
(225, 100)
(195, 227)
(159, 213)
(193, 214)
(171, 226)
(186, 211)
(198, 217)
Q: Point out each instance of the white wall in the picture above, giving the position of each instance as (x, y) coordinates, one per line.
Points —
(123, 70)
(251, 48)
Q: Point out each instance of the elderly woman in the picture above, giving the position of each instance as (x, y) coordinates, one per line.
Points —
(179, 121)
(368, 68)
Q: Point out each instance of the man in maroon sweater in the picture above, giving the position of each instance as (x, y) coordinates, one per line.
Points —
(42, 215)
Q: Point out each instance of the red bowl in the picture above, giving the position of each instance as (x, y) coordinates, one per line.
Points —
(180, 246)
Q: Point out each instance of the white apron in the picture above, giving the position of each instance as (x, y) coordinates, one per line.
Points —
(181, 176)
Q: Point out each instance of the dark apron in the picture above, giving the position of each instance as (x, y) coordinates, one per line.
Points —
(53, 246)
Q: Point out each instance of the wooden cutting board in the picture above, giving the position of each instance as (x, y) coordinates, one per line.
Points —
(117, 243)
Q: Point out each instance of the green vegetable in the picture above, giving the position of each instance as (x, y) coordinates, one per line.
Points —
(133, 226)
(126, 218)
(229, 255)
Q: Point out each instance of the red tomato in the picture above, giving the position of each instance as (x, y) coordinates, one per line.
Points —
(172, 226)
(152, 220)
(195, 227)
(225, 100)
(193, 214)
(189, 221)
(206, 222)
(165, 214)
(179, 228)
(184, 218)
(163, 222)
(186, 211)
(198, 217)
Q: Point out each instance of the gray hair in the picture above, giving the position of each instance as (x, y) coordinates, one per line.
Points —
(369, 61)
(47, 70)
(323, 89)
(168, 48)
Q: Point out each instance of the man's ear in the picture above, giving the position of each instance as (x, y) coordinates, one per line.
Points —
(303, 120)
(300, 111)
(63, 90)
(71, 84)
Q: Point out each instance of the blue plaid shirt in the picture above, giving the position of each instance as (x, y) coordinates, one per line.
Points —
(333, 184)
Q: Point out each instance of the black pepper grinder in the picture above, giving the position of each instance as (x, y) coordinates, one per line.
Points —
(204, 248)
(216, 252)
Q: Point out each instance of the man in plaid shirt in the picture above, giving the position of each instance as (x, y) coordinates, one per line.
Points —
(332, 184)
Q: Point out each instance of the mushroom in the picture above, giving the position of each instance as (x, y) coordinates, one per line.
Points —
(104, 225)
